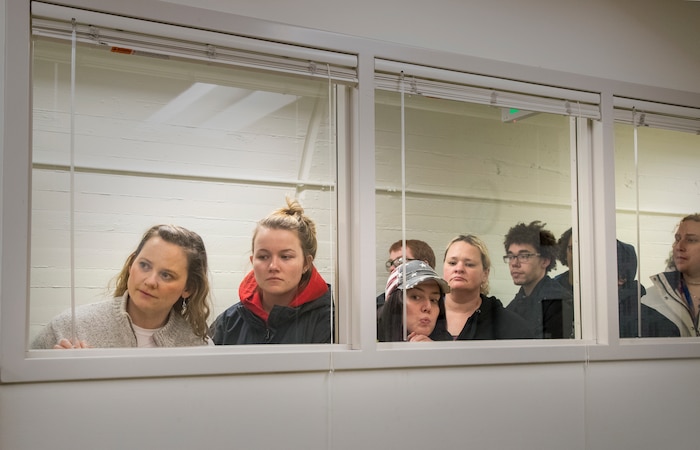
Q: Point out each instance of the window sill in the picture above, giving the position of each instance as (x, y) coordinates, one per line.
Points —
(56, 365)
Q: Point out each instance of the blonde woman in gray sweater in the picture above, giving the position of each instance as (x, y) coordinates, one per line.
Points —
(161, 299)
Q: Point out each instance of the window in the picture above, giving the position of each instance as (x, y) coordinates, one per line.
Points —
(460, 154)
(204, 130)
(657, 149)
(132, 130)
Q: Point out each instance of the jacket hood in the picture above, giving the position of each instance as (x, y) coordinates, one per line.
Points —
(249, 293)
(626, 262)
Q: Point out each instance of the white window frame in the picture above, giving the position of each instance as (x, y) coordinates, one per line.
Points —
(356, 216)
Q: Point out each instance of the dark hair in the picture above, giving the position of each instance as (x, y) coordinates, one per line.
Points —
(483, 250)
(390, 320)
(292, 218)
(421, 250)
(543, 241)
(195, 309)
(563, 244)
(626, 263)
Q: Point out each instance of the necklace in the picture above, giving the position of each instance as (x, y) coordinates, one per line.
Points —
(692, 283)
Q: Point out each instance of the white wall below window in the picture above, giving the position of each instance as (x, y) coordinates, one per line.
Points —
(633, 405)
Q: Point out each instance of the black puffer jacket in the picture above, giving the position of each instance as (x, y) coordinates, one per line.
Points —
(306, 321)
(309, 323)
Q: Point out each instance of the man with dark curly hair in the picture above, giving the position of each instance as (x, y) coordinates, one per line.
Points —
(531, 252)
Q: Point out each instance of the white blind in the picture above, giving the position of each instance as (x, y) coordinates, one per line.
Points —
(467, 87)
(657, 115)
(134, 35)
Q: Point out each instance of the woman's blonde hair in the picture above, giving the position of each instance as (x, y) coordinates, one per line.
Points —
(195, 309)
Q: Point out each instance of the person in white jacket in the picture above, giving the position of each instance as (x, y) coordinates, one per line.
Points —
(676, 293)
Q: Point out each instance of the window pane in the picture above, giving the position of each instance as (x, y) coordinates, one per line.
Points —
(656, 186)
(468, 172)
(161, 140)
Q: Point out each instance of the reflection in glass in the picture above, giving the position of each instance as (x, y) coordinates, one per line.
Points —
(146, 140)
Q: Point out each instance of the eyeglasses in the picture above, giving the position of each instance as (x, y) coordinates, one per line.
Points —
(521, 257)
(393, 263)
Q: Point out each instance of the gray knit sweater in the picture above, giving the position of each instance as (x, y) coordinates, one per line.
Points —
(106, 324)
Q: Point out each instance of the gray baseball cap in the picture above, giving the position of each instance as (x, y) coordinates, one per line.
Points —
(416, 273)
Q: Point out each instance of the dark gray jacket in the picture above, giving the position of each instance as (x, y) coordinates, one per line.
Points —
(548, 309)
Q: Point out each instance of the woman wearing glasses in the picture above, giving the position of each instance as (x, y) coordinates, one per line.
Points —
(468, 311)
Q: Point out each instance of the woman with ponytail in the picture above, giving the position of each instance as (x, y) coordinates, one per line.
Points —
(283, 300)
